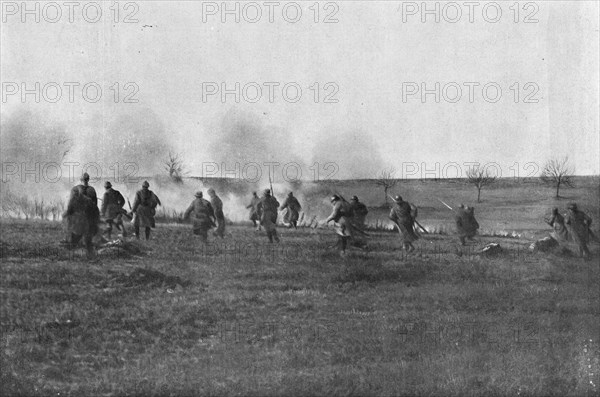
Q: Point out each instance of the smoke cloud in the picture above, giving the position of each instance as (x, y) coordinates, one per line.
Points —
(354, 152)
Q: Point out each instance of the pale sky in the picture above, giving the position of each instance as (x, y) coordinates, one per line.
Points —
(368, 55)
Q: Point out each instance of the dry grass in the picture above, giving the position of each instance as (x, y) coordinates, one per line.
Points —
(243, 317)
(295, 318)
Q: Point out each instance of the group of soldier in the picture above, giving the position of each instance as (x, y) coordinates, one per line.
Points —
(83, 217)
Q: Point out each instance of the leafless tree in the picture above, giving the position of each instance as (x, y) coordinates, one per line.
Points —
(557, 172)
(386, 180)
(480, 177)
(175, 167)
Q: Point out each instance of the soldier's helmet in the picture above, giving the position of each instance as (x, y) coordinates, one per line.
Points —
(398, 199)
(335, 198)
(554, 211)
(267, 192)
(572, 206)
(145, 184)
(355, 198)
(290, 194)
(254, 194)
(85, 177)
(211, 190)
(107, 185)
(198, 195)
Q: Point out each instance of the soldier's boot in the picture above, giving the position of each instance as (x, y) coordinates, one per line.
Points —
(74, 240)
(147, 232)
(270, 236)
(89, 247)
(275, 235)
(344, 243)
(137, 232)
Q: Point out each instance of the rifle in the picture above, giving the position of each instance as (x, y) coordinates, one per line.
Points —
(414, 220)
(450, 208)
(130, 209)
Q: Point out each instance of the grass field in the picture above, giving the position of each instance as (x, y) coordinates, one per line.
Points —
(242, 317)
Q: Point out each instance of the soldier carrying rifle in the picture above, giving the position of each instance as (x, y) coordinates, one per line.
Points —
(403, 214)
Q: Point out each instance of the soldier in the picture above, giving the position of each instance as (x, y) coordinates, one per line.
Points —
(204, 216)
(267, 208)
(579, 223)
(466, 224)
(254, 212)
(293, 210)
(144, 208)
(557, 221)
(342, 216)
(82, 215)
(112, 209)
(217, 205)
(402, 215)
(360, 212)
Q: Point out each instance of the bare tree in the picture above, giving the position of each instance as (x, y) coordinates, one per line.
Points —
(480, 177)
(386, 180)
(175, 167)
(558, 172)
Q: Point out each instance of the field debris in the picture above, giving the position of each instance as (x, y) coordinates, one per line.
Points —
(119, 248)
(491, 249)
(543, 245)
(145, 277)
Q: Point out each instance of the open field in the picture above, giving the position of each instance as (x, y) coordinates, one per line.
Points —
(242, 317)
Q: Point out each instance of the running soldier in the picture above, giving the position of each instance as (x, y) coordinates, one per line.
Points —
(203, 216)
(267, 207)
(579, 224)
(254, 214)
(293, 210)
(402, 215)
(360, 212)
(560, 232)
(217, 205)
(82, 215)
(112, 209)
(342, 216)
(144, 208)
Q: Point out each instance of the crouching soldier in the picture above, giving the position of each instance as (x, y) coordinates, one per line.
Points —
(466, 224)
(203, 218)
